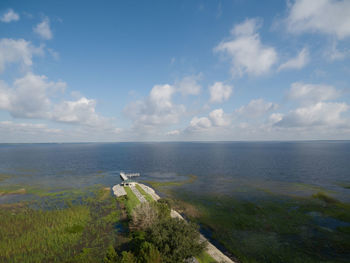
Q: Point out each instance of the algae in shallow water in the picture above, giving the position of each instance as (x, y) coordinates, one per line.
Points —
(275, 228)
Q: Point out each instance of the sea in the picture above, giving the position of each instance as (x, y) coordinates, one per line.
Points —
(229, 168)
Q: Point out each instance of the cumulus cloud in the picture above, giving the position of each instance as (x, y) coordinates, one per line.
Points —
(256, 108)
(319, 114)
(155, 110)
(31, 97)
(189, 85)
(220, 92)
(316, 109)
(200, 123)
(216, 118)
(173, 133)
(9, 16)
(324, 16)
(43, 29)
(17, 51)
(81, 111)
(298, 62)
(10, 126)
(28, 98)
(312, 93)
(247, 53)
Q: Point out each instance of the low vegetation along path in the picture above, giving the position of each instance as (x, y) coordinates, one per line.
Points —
(215, 253)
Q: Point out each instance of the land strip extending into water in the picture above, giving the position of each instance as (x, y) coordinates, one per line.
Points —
(213, 251)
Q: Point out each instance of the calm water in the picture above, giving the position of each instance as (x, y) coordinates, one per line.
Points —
(222, 168)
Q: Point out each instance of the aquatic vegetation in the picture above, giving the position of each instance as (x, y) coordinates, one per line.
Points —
(4, 176)
(74, 232)
(156, 185)
(326, 198)
(275, 228)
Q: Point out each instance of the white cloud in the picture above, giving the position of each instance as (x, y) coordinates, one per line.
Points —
(9, 16)
(319, 114)
(334, 53)
(10, 126)
(316, 110)
(200, 123)
(247, 53)
(81, 111)
(173, 133)
(220, 92)
(298, 62)
(189, 85)
(312, 93)
(31, 97)
(323, 16)
(256, 108)
(218, 118)
(156, 110)
(17, 51)
(43, 29)
(28, 98)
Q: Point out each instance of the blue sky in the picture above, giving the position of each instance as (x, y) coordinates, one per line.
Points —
(76, 71)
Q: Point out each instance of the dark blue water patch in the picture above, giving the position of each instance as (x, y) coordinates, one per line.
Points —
(326, 221)
(16, 198)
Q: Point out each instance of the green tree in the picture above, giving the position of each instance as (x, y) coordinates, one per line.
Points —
(149, 254)
(175, 239)
(111, 255)
(127, 257)
(163, 208)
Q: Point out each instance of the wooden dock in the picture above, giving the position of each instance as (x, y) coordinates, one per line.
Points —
(125, 176)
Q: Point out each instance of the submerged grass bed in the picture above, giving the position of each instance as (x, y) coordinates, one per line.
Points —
(38, 232)
(274, 229)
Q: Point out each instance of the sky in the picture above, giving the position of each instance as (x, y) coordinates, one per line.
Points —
(225, 70)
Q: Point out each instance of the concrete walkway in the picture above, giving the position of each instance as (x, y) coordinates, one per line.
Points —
(118, 190)
(138, 194)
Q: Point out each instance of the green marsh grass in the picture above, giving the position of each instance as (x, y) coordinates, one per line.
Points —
(71, 232)
(130, 201)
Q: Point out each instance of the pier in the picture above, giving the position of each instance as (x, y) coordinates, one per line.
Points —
(125, 176)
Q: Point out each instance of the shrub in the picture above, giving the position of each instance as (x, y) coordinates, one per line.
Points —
(149, 253)
(143, 216)
(175, 239)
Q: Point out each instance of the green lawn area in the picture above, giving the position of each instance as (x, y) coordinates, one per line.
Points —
(205, 258)
(147, 196)
(131, 200)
